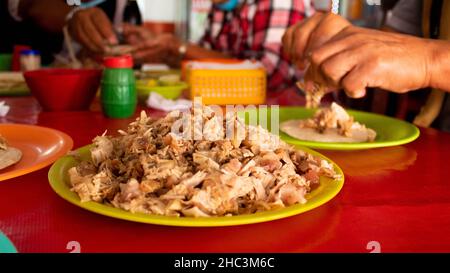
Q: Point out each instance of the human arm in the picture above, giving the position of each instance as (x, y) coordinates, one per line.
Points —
(91, 27)
(355, 58)
(163, 47)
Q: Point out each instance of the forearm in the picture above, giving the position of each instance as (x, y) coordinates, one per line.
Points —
(47, 14)
(440, 65)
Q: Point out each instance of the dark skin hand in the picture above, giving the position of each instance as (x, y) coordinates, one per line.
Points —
(354, 59)
(93, 29)
(162, 48)
(47, 14)
(90, 27)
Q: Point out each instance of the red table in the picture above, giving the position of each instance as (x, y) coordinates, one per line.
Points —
(398, 197)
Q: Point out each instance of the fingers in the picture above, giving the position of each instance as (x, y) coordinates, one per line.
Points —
(129, 29)
(150, 50)
(150, 55)
(92, 28)
(92, 39)
(356, 82)
(81, 36)
(337, 66)
(328, 27)
(302, 36)
(331, 62)
(314, 76)
(104, 27)
(300, 40)
(287, 40)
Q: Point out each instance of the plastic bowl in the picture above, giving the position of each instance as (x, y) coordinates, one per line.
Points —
(64, 89)
(171, 92)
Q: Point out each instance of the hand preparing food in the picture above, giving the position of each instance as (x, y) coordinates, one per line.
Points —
(149, 169)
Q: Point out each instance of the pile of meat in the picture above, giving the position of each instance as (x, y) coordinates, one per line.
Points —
(150, 169)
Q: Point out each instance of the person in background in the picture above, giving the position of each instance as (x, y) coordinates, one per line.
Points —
(92, 24)
(243, 29)
(344, 56)
(425, 19)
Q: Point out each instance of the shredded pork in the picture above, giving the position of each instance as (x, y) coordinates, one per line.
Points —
(149, 169)
(3, 143)
(335, 117)
(313, 95)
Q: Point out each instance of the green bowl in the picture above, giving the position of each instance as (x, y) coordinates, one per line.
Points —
(5, 62)
(169, 92)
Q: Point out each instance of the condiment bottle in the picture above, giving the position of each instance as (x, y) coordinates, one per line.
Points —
(118, 88)
(30, 60)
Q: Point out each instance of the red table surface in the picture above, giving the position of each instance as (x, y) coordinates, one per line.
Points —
(398, 197)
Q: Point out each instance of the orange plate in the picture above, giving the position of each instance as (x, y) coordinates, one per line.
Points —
(40, 147)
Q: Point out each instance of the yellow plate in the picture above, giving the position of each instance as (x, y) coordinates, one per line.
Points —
(59, 181)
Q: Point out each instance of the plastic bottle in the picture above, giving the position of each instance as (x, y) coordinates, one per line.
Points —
(30, 60)
(118, 88)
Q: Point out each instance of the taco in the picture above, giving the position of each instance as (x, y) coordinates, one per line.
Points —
(8, 155)
(330, 124)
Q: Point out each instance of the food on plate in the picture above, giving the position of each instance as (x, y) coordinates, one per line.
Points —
(329, 124)
(151, 168)
(8, 155)
(164, 80)
(313, 95)
(168, 80)
(12, 81)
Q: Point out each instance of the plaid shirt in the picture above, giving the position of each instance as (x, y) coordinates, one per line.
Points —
(254, 31)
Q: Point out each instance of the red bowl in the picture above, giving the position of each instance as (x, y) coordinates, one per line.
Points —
(64, 89)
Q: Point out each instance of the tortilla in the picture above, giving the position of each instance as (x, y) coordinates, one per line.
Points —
(120, 50)
(9, 157)
(358, 133)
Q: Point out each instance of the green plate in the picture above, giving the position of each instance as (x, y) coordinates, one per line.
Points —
(171, 92)
(59, 181)
(390, 131)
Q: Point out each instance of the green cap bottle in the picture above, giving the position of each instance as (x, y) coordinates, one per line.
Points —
(118, 88)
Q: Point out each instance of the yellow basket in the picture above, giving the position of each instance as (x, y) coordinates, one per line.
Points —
(224, 87)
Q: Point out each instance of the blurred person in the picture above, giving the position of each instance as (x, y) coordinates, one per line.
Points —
(243, 29)
(426, 19)
(92, 24)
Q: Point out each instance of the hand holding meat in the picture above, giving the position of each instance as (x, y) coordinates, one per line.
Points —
(354, 58)
(150, 48)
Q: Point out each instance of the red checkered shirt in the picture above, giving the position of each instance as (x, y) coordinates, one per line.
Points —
(254, 31)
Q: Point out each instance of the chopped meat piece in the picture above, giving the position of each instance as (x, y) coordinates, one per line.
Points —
(103, 149)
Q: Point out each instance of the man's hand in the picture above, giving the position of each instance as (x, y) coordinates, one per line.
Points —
(343, 56)
(92, 28)
(358, 58)
(136, 35)
(301, 39)
(161, 48)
